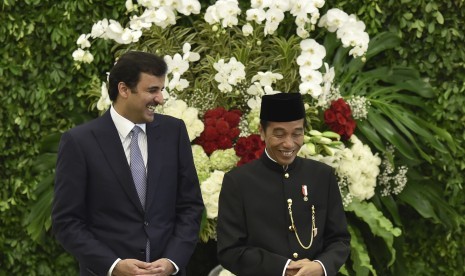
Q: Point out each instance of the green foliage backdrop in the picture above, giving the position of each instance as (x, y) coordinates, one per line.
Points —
(40, 91)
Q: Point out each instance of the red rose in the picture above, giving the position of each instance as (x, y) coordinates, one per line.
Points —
(209, 147)
(210, 122)
(330, 116)
(232, 118)
(210, 133)
(224, 142)
(214, 113)
(341, 119)
(233, 133)
(222, 126)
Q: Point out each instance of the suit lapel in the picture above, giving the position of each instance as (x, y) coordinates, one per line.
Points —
(154, 159)
(108, 138)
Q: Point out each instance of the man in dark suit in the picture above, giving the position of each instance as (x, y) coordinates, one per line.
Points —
(127, 197)
(282, 214)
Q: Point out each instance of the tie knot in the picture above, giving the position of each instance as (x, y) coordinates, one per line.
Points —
(136, 130)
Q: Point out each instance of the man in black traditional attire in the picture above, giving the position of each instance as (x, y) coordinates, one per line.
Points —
(282, 214)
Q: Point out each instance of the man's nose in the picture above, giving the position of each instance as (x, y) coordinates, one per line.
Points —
(288, 141)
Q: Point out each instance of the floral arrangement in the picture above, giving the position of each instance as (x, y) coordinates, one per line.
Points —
(223, 59)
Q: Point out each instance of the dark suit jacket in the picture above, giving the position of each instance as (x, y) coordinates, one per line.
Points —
(253, 220)
(97, 215)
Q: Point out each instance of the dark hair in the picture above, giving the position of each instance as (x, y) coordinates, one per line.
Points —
(128, 67)
(264, 124)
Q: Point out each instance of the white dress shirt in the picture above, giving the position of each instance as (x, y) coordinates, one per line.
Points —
(124, 127)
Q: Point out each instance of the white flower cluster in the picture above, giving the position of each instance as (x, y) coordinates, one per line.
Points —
(159, 12)
(104, 102)
(309, 61)
(272, 12)
(211, 188)
(348, 29)
(357, 168)
(329, 92)
(361, 167)
(389, 181)
(224, 12)
(190, 116)
(224, 160)
(178, 65)
(229, 74)
(359, 106)
(262, 85)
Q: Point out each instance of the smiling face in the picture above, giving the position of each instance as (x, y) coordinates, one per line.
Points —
(137, 104)
(283, 140)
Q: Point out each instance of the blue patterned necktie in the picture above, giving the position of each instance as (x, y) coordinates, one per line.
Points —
(139, 174)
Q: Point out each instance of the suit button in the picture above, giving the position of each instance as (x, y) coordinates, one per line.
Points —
(295, 255)
(146, 223)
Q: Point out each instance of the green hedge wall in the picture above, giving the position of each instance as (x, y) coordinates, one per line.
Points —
(40, 87)
(39, 95)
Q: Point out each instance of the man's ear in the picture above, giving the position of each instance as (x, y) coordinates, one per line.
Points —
(123, 90)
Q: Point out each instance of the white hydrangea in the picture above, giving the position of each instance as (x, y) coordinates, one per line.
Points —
(211, 188)
(179, 109)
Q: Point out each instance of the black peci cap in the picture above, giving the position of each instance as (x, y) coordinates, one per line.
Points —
(282, 107)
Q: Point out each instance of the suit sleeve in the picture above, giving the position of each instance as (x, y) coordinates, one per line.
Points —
(336, 236)
(189, 205)
(69, 209)
(233, 251)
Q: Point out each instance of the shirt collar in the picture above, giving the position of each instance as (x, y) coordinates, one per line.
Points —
(271, 163)
(123, 125)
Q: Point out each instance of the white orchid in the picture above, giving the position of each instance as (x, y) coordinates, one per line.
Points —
(260, 4)
(224, 12)
(177, 83)
(333, 19)
(229, 74)
(247, 29)
(267, 78)
(311, 88)
(99, 29)
(188, 55)
(83, 41)
(129, 5)
(188, 7)
(104, 101)
(257, 15)
(176, 64)
(83, 56)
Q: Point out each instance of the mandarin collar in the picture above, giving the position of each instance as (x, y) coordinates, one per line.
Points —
(273, 165)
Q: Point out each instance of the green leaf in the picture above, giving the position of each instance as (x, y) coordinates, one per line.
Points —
(385, 128)
(382, 42)
(359, 253)
(379, 225)
(370, 133)
(439, 17)
(427, 200)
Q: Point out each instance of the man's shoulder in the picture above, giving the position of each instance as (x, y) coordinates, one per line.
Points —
(92, 124)
(252, 166)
